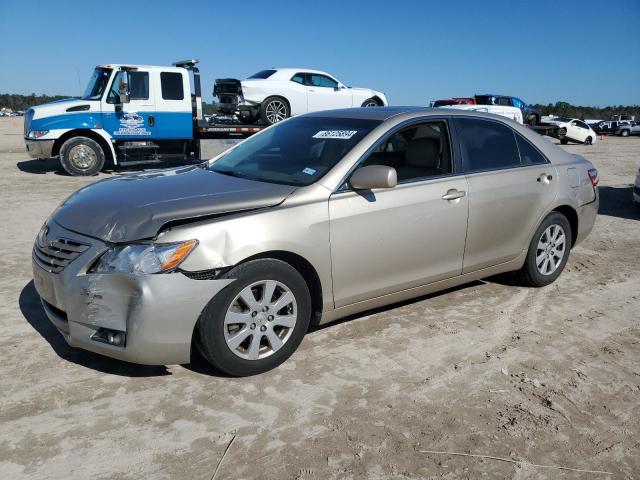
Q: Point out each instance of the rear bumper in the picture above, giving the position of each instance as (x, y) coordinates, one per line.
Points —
(157, 313)
(587, 217)
(39, 148)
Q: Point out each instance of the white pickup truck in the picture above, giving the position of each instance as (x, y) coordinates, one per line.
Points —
(514, 113)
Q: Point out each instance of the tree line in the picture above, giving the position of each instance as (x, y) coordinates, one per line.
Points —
(564, 109)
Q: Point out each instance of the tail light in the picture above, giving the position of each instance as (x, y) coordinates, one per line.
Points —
(593, 176)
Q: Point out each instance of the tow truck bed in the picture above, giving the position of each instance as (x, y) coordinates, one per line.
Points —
(217, 131)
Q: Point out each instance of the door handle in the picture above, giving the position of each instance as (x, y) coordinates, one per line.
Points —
(544, 178)
(151, 120)
(454, 194)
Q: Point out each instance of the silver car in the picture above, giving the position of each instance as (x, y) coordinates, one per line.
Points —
(318, 217)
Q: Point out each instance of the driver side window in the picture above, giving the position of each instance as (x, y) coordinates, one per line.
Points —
(138, 86)
(417, 152)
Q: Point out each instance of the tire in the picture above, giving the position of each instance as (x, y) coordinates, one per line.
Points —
(274, 110)
(564, 141)
(533, 120)
(81, 157)
(217, 341)
(624, 133)
(588, 141)
(537, 273)
(370, 102)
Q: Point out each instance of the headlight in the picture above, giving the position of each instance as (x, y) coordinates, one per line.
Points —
(144, 257)
(37, 133)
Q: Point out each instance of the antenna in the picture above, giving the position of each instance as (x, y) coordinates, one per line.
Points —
(79, 84)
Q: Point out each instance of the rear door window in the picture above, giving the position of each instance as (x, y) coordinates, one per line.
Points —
(299, 78)
(529, 155)
(171, 84)
(487, 145)
(322, 81)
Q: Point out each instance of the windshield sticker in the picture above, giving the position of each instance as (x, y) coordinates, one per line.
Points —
(337, 134)
(309, 171)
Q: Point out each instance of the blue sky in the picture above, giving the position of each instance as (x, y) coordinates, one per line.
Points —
(584, 52)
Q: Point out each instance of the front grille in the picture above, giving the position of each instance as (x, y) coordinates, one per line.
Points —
(55, 255)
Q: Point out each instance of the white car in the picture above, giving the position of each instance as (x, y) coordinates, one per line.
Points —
(575, 130)
(275, 94)
(514, 113)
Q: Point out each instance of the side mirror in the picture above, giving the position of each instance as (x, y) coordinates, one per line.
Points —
(374, 176)
(125, 97)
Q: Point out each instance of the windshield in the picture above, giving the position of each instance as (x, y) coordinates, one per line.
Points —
(97, 84)
(296, 152)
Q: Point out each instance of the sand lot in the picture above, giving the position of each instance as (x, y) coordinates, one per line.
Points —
(364, 398)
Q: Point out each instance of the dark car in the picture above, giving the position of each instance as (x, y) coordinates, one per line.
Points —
(529, 115)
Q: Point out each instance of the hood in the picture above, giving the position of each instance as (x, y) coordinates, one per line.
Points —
(134, 207)
(60, 107)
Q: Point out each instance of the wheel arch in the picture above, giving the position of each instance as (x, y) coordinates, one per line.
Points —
(107, 148)
(304, 268)
(572, 216)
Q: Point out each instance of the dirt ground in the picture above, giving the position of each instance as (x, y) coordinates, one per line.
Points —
(547, 376)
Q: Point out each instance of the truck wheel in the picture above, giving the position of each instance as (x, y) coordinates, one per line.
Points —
(81, 157)
(370, 102)
(624, 133)
(533, 120)
(274, 110)
(564, 141)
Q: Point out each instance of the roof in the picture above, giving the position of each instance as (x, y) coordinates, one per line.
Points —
(385, 113)
(167, 68)
(296, 70)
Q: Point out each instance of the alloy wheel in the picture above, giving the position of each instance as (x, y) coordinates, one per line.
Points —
(551, 249)
(276, 111)
(260, 319)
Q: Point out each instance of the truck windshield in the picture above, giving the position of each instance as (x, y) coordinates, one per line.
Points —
(296, 152)
(97, 84)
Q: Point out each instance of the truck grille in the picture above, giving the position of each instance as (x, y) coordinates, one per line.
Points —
(55, 255)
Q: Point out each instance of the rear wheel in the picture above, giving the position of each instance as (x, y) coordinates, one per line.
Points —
(624, 133)
(533, 120)
(258, 321)
(81, 156)
(548, 251)
(274, 110)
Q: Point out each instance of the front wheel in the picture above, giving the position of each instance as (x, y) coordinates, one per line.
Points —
(274, 110)
(564, 141)
(624, 133)
(588, 141)
(370, 102)
(258, 321)
(81, 156)
(548, 251)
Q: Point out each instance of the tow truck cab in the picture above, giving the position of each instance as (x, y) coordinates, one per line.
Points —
(127, 114)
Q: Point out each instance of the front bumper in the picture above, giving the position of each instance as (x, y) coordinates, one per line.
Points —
(39, 148)
(157, 313)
